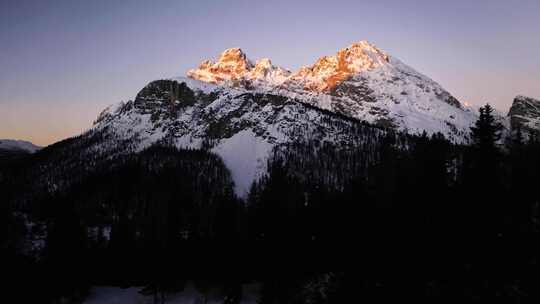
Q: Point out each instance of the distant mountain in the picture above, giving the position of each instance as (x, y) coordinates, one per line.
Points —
(525, 114)
(15, 149)
(18, 145)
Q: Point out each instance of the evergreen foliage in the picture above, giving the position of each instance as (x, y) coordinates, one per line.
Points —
(398, 217)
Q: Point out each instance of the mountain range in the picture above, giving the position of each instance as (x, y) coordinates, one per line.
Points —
(245, 110)
(242, 110)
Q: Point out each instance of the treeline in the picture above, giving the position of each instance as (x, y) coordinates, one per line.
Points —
(425, 219)
(396, 217)
(120, 224)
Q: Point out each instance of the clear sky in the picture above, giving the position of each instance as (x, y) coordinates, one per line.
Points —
(63, 61)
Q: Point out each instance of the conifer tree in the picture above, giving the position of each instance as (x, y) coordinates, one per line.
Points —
(486, 131)
(485, 184)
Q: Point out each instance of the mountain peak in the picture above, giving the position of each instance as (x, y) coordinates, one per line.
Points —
(329, 71)
(524, 98)
(365, 45)
(265, 73)
(324, 75)
(264, 63)
(360, 81)
(232, 64)
(525, 113)
(233, 56)
(362, 56)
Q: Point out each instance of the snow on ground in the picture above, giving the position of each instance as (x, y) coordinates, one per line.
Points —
(117, 295)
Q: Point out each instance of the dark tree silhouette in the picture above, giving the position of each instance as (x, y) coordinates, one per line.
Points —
(486, 131)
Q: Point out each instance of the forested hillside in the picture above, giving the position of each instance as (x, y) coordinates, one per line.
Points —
(396, 217)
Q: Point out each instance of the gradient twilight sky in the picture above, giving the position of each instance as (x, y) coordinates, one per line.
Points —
(63, 61)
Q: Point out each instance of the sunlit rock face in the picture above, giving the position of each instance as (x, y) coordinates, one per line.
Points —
(525, 114)
(265, 74)
(329, 71)
(232, 64)
(234, 68)
(323, 76)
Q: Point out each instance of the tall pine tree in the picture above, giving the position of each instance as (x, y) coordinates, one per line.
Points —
(484, 176)
(486, 131)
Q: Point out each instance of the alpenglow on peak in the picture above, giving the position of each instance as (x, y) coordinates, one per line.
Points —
(233, 65)
(360, 81)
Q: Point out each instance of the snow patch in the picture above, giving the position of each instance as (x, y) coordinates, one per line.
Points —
(117, 295)
(245, 155)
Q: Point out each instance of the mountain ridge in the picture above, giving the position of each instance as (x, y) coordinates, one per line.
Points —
(525, 114)
(244, 112)
(360, 81)
(18, 145)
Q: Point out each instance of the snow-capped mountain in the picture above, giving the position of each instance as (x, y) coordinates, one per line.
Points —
(525, 114)
(18, 145)
(360, 81)
(242, 111)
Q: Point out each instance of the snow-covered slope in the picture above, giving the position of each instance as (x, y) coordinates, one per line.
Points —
(190, 295)
(241, 126)
(18, 145)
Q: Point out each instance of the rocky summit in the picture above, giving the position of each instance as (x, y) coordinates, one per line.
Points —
(525, 114)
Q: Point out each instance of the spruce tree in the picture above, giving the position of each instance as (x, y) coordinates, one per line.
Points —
(486, 131)
(486, 134)
(485, 176)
